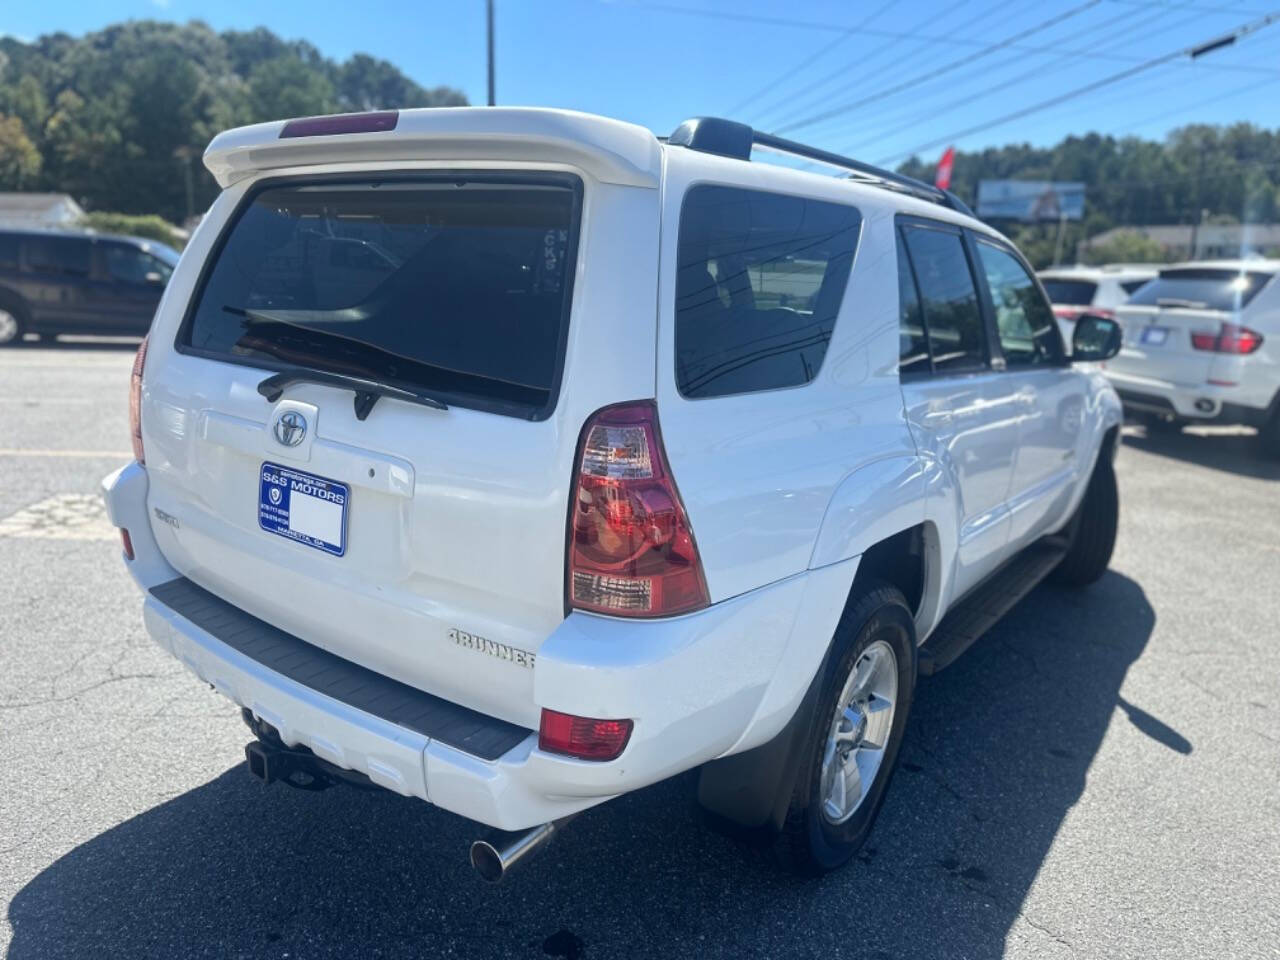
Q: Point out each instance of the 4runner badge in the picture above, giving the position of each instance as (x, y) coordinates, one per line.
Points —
(521, 658)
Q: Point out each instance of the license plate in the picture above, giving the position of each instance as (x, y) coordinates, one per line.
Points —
(1155, 336)
(303, 507)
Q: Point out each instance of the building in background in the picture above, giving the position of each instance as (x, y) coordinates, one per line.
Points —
(1204, 242)
(38, 210)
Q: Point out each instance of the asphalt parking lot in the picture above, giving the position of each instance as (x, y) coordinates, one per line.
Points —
(1098, 777)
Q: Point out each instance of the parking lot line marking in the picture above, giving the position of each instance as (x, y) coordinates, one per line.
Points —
(89, 454)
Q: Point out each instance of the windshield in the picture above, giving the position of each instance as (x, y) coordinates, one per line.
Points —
(1202, 288)
(459, 287)
(1077, 293)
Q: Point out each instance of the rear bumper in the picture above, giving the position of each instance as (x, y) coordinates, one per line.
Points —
(698, 687)
(1209, 404)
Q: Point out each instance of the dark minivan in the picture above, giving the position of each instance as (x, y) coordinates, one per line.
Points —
(59, 281)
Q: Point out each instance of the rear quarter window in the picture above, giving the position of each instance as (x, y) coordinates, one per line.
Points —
(459, 286)
(67, 256)
(760, 278)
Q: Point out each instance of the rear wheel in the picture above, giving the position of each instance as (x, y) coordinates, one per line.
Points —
(1269, 436)
(1094, 528)
(857, 730)
(12, 324)
(1159, 423)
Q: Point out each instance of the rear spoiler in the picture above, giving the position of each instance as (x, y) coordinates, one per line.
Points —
(610, 150)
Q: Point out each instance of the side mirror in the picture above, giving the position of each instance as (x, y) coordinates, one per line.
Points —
(1095, 338)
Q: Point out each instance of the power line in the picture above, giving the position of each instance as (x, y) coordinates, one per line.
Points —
(945, 68)
(1040, 70)
(1239, 33)
(1186, 108)
(812, 58)
(787, 100)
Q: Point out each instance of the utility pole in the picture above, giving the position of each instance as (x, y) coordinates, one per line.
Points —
(488, 5)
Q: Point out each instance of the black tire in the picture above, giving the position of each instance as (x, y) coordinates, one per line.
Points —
(1157, 424)
(13, 321)
(810, 844)
(1093, 528)
(1269, 436)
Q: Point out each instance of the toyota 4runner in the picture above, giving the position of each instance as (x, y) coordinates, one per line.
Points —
(515, 459)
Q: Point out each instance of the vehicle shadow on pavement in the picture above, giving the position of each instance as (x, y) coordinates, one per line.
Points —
(997, 752)
(1235, 452)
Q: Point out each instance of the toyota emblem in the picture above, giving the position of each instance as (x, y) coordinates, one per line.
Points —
(290, 428)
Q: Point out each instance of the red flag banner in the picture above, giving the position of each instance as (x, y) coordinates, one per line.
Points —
(943, 177)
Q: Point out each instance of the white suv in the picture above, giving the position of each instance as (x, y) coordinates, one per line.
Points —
(517, 459)
(1202, 345)
(1097, 290)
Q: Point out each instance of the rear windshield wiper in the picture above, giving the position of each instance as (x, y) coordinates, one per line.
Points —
(1179, 302)
(367, 391)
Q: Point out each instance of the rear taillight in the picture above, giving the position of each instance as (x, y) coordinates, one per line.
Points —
(126, 543)
(1230, 338)
(135, 401)
(631, 549)
(582, 737)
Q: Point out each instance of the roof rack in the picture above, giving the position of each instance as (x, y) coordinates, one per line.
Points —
(728, 138)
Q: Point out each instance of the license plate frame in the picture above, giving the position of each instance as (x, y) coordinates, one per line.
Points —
(300, 506)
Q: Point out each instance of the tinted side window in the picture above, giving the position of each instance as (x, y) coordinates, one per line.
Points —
(950, 298)
(913, 346)
(65, 255)
(1133, 286)
(8, 250)
(1024, 319)
(759, 282)
(131, 265)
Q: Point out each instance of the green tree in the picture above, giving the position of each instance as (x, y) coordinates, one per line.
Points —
(1125, 246)
(19, 158)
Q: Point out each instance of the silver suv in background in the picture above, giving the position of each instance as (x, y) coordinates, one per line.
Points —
(1098, 290)
(1202, 345)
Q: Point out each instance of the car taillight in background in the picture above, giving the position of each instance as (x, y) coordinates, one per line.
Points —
(631, 549)
(135, 401)
(582, 737)
(1229, 338)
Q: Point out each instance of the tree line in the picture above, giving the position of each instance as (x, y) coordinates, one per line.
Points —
(1219, 174)
(119, 118)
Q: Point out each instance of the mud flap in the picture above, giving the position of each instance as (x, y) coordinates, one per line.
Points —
(749, 792)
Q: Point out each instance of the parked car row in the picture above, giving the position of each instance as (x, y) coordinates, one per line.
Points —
(1200, 339)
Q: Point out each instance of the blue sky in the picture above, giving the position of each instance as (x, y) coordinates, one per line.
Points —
(781, 66)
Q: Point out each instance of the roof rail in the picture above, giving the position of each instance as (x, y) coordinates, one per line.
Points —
(728, 138)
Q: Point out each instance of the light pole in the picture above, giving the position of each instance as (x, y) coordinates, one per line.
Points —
(488, 5)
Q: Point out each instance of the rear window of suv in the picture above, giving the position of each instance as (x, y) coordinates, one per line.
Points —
(759, 281)
(1076, 293)
(1202, 288)
(458, 287)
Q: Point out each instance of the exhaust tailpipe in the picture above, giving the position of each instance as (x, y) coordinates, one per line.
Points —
(498, 854)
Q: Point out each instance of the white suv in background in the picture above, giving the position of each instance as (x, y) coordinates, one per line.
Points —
(1096, 290)
(1202, 345)
(515, 459)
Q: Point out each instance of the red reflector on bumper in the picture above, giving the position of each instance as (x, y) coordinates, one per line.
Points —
(583, 737)
(127, 542)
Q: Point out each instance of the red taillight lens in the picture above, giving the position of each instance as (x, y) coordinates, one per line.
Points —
(127, 543)
(135, 401)
(631, 549)
(583, 737)
(1230, 338)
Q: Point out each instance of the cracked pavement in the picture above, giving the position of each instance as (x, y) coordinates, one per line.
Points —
(1098, 777)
